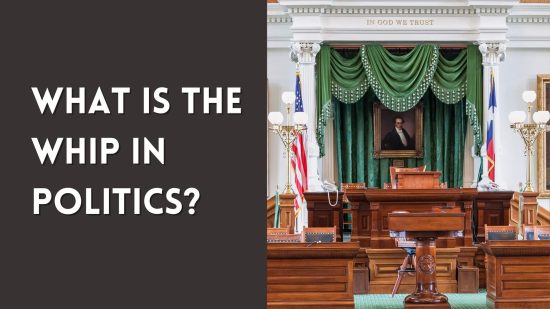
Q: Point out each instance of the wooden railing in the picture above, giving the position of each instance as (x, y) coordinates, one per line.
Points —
(543, 217)
(514, 214)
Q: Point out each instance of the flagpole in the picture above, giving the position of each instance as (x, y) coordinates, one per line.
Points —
(276, 218)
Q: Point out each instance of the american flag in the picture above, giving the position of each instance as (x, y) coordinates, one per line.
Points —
(299, 160)
(490, 133)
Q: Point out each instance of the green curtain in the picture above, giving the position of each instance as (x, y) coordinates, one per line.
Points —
(324, 95)
(399, 81)
(444, 128)
(348, 79)
(474, 94)
(449, 81)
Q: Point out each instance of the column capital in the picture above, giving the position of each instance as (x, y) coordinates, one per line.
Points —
(304, 52)
(493, 52)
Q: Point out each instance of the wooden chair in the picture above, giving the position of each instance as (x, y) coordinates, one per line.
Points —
(528, 232)
(409, 262)
(542, 232)
(277, 231)
(319, 234)
(394, 170)
(284, 238)
(501, 232)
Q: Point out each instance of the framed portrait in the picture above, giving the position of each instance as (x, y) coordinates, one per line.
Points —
(543, 162)
(398, 134)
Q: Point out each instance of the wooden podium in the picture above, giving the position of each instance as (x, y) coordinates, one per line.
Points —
(425, 228)
(518, 273)
(417, 180)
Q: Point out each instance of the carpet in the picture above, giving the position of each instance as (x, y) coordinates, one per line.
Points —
(385, 301)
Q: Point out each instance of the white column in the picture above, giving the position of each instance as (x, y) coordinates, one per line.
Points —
(469, 160)
(304, 53)
(328, 166)
(493, 55)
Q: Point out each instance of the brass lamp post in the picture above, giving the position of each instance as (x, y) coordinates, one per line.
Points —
(529, 130)
(289, 131)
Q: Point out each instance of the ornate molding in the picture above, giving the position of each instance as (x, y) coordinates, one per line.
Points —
(304, 52)
(493, 11)
(528, 19)
(279, 19)
(530, 14)
(353, 186)
(400, 11)
(493, 52)
(395, 11)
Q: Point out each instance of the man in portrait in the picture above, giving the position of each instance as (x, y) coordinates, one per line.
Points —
(398, 138)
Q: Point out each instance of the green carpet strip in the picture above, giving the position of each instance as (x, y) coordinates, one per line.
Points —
(385, 301)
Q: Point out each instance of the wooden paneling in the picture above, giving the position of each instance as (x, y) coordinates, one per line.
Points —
(270, 211)
(302, 275)
(383, 265)
(518, 274)
(374, 205)
(493, 208)
(468, 279)
(480, 263)
(321, 214)
(287, 214)
(417, 180)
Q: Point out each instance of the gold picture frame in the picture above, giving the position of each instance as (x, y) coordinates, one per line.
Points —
(543, 162)
(384, 119)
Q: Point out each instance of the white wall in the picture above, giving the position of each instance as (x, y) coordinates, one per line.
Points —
(518, 73)
(281, 75)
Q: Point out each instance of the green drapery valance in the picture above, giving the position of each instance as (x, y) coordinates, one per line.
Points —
(399, 81)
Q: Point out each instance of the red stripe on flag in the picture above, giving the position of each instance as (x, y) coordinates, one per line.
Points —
(491, 160)
(304, 161)
(297, 180)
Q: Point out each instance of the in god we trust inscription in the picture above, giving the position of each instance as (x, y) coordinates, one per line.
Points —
(405, 22)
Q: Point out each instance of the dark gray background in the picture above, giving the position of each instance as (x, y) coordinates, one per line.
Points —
(215, 259)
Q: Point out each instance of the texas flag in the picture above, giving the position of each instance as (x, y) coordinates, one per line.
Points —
(490, 133)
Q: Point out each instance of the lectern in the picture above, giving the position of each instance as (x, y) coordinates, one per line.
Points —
(417, 180)
(425, 228)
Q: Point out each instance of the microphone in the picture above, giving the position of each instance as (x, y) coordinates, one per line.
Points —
(311, 243)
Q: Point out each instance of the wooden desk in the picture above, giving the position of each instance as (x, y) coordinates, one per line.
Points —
(492, 209)
(518, 273)
(321, 214)
(370, 209)
(302, 275)
(425, 228)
